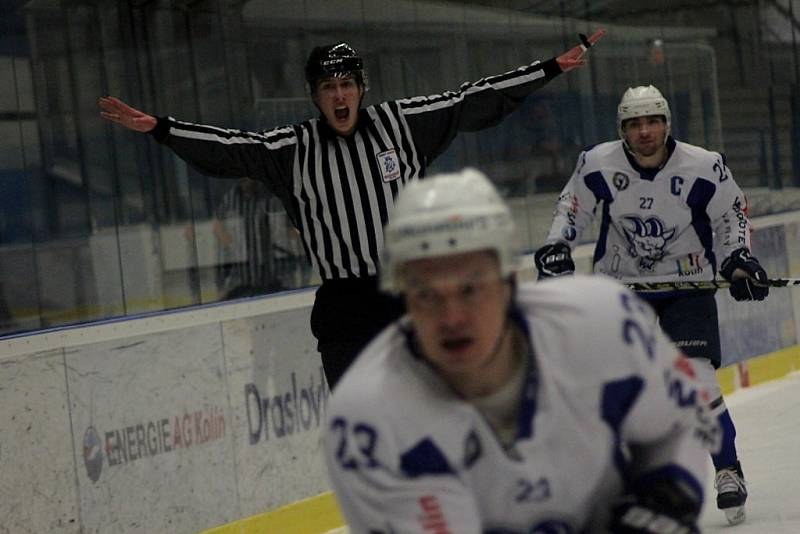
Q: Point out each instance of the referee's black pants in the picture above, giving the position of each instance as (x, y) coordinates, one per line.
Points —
(347, 314)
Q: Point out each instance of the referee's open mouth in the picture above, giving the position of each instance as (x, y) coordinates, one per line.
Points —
(342, 113)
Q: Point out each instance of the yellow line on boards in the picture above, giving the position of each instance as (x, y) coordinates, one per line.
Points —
(316, 515)
(758, 370)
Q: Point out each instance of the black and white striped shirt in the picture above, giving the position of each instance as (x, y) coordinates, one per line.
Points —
(338, 190)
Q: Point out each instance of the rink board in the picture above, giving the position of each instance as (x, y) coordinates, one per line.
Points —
(168, 423)
(37, 486)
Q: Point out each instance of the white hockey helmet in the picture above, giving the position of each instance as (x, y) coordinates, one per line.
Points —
(642, 101)
(447, 214)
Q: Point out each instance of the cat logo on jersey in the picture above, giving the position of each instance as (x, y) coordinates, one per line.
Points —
(647, 239)
(620, 181)
(389, 164)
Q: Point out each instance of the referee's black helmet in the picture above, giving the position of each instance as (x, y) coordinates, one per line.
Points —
(336, 60)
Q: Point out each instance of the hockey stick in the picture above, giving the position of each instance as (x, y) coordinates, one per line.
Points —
(705, 284)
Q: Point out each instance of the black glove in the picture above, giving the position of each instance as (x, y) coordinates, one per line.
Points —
(744, 288)
(658, 504)
(632, 517)
(554, 260)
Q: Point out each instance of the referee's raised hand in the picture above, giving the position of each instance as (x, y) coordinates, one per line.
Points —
(574, 57)
(118, 111)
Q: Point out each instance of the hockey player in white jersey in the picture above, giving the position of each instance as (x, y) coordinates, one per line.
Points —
(669, 211)
(557, 407)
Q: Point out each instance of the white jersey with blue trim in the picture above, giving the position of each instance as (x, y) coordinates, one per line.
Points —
(601, 406)
(676, 223)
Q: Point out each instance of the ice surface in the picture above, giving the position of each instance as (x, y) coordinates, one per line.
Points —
(767, 419)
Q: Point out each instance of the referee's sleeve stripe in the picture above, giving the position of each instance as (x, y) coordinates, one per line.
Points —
(422, 104)
(273, 139)
(227, 132)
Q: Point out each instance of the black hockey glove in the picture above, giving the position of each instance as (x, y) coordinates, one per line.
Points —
(636, 518)
(554, 260)
(657, 504)
(745, 288)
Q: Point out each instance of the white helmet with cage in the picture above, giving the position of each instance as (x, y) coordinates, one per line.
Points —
(642, 101)
(443, 215)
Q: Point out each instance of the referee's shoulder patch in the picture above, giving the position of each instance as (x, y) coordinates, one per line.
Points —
(389, 164)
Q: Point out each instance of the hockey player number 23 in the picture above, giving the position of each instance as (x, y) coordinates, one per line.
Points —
(356, 444)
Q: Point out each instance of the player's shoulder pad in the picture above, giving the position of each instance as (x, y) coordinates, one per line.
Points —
(589, 306)
(580, 323)
(583, 291)
(699, 153)
(588, 148)
(596, 155)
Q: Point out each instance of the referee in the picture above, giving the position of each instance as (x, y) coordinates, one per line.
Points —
(338, 175)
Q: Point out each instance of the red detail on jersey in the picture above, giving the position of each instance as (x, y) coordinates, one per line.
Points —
(432, 519)
(573, 208)
(683, 365)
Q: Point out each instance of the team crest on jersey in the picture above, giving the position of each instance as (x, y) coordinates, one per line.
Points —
(620, 181)
(569, 233)
(647, 239)
(389, 164)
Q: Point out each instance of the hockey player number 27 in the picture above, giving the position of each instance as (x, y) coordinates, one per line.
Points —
(356, 444)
